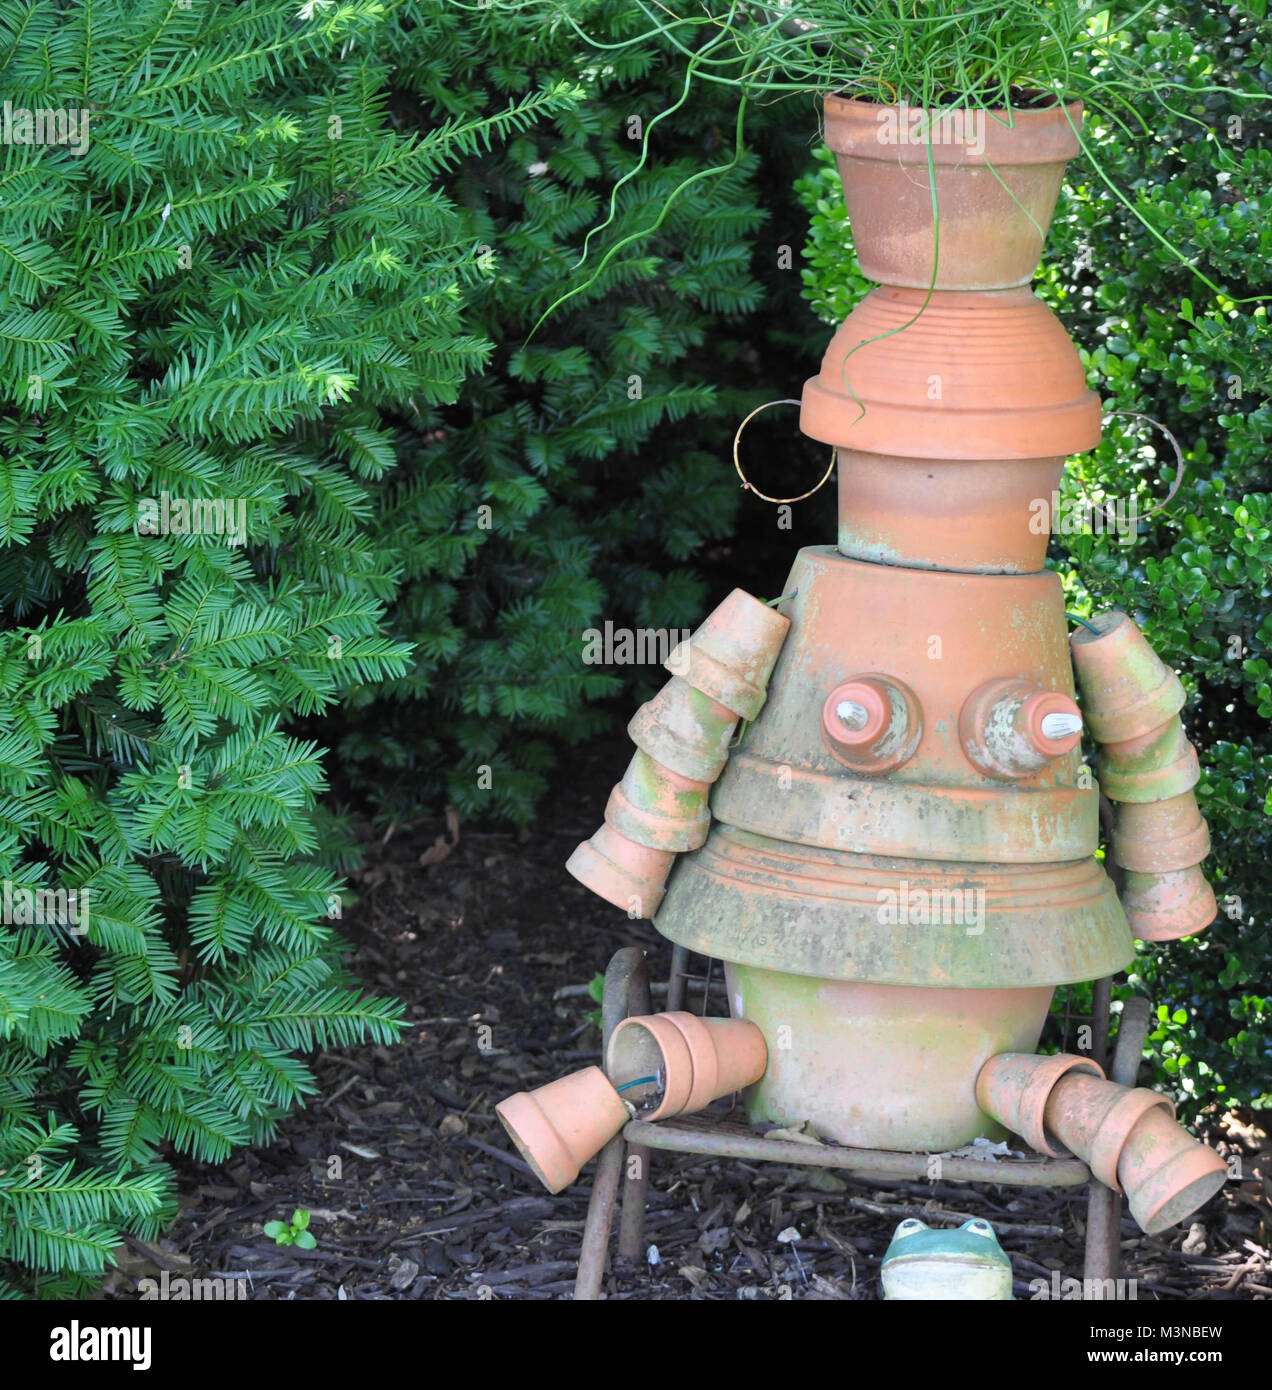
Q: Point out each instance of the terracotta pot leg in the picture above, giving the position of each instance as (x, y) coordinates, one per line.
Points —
(1104, 1206)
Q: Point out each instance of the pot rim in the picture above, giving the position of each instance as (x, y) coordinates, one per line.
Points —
(1011, 135)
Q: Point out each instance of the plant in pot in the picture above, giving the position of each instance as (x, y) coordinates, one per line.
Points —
(952, 120)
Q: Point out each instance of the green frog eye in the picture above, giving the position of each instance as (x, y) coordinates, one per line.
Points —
(908, 1228)
(978, 1228)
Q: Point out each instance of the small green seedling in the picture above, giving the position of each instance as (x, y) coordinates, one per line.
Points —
(295, 1234)
(596, 989)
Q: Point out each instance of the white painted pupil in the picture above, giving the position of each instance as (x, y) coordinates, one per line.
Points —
(1060, 725)
(852, 714)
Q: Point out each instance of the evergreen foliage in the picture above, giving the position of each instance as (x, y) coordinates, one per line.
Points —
(587, 463)
(207, 313)
(287, 457)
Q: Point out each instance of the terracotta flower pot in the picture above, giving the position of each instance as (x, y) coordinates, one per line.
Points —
(942, 926)
(980, 516)
(731, 656)
(684, 730)
(629, 875)
(1166, 1173)
(1011, 729)
(785, 781)
(695, 1060)
(1159, 764)
(1164, 907)
(1128, 691)
(872, 723)
(880, 1066)
(952, 376)
(658, 807)
(1093, 1118)
(1128, 1138)
(997, 178)
(1014, 1088)
(558, 1127)
(1160, 836)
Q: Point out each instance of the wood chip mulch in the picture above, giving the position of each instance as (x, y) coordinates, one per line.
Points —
(413, 1189)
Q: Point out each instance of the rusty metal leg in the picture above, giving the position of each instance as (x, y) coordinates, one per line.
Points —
(600, 1220)
(626, 991)
(1104, 1206)
(1103, 1237)
(631, 1227)
(631, 1231)
(1137, 1015)
(1101, 999)
(678, 981)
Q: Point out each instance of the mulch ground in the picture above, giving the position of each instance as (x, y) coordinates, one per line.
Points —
(413, 1189)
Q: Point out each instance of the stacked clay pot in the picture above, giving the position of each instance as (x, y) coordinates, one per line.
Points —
(658, 1066)
(901, 863)
(898, 866)
(920, 744)
(682, 735)
(677, 1063)
(1148, 769)
(1128, 1137)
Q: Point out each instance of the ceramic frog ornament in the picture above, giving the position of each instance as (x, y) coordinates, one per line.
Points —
(967, 1263)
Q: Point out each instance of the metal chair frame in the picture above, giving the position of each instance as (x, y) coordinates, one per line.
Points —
(625, 1161)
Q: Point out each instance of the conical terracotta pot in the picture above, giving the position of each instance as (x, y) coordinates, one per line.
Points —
(880, 1066)
(952, 376)
(872, 723)
(695, 1060)
(1127, 689)
(731, 656)
(1160, 836)
(684, 730)
(948, 927)
(1093, 1118)
(658, 807)
(1153, 767)
(1005, 727)
(1166, 1173)
(1014, 1088)
(980, 516)
(1164, 907)
(558, 1127)
(997, 178)
(629, 875)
